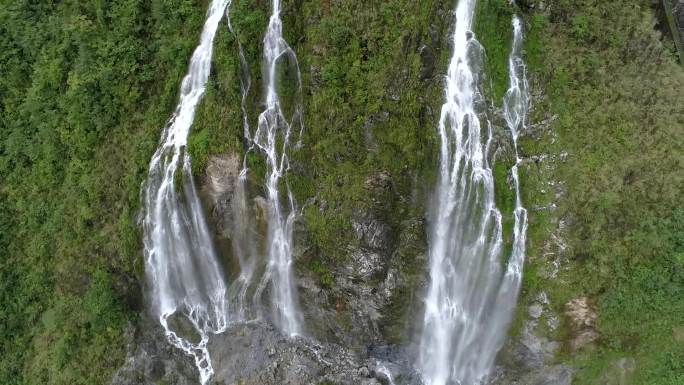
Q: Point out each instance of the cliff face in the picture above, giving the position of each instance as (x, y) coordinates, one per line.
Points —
(601, 298)
(363, 174)
(372, 80)
(362, 171)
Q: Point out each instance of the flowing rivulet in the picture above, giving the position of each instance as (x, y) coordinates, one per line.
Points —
(471, 297)
(181, 264)
(272, 138)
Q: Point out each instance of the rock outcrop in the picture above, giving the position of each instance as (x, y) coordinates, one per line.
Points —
(527, 359)
(217, 189)
(582, 315)
(152, 360)
(256, 354)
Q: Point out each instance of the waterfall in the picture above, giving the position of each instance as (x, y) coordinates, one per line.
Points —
(515, 105)
(470, 297)
(181, 265)
(272, 138)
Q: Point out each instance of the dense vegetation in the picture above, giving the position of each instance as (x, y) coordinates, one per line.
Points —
(86, 86)
(614, 90)
(84, 91)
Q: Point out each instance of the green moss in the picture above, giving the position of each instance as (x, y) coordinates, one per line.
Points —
(504, 197)
(178, 181)
(218, 125)
(329, 229)
(75, 141)
(257, 166)
(198, 149)
(535, 27)
(494, 30)
(324, 274)
(360, 56)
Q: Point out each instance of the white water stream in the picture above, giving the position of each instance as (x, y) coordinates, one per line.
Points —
(471, 297)
(181, 264)
(272, 139)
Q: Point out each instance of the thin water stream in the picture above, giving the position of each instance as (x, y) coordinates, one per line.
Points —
(272, 139)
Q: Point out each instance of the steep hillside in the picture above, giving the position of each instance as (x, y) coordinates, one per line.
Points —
(86, 86)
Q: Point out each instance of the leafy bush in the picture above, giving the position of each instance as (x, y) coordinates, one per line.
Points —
(613, 85)
(86, 87)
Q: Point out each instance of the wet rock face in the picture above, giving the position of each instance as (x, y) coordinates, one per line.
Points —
(362, 281)
(349, 311)
(354, 310)
(151, 359)
(256, 354)
(527, 359)
(547, 375)
(544, 375)
(373, 234)
(218, 188)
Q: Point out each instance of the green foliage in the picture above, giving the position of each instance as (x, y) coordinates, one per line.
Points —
(324, 275)
(535, 27)
(580, 27)
(504, 196)
(365, 108)
(494, 30)
(86, 87)
(218, 122)
(198, 148)
(615, 90)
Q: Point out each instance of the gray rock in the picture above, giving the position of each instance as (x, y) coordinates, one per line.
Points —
(427, 62)
(256, 354)
(372, 233)
(364, 265)
(535, 310)
(351, 311)
(583, 316)
(528, 358)
(547, 375)
(554, 375)
(151, 359)
(218, 186)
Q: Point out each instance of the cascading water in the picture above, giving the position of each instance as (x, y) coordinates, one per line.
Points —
(516, 104)
(470, 299)
(272, 139)
(181, 265)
